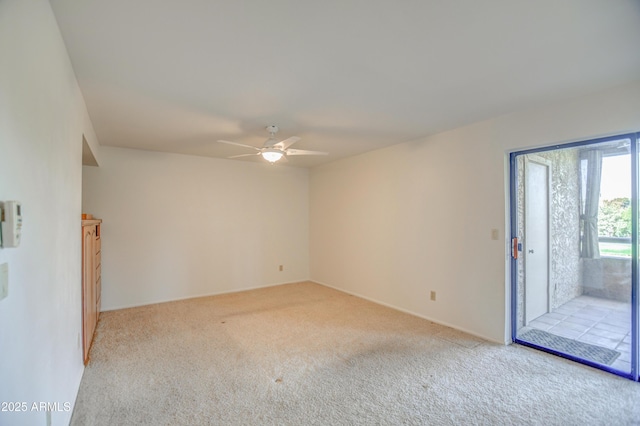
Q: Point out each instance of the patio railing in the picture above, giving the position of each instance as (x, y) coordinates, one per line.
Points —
(615, 246)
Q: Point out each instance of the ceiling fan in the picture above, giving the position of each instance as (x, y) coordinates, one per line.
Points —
(273, 150)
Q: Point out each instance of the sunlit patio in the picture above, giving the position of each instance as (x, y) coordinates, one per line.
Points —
(596, 321)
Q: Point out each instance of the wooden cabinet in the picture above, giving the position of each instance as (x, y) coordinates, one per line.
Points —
(91, 283)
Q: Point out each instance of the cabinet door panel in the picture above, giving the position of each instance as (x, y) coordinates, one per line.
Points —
(91, 282)
(98, 296)
(88, 287)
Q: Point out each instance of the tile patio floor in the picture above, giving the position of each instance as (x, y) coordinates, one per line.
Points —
(601, 322)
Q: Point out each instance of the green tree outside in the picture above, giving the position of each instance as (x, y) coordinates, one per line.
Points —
(614, 218)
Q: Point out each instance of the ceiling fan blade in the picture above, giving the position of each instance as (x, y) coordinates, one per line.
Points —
(244, 155)
(288, 142)
(305, 152)
(239, 144)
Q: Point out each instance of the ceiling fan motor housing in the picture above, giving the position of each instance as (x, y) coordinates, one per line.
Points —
(269, 143)
(272, 129)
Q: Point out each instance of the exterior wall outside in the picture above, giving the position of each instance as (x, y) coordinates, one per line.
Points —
(608, 278)
(520, 261)
(565, 226)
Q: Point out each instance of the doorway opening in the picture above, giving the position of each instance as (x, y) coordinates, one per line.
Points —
(574, 262)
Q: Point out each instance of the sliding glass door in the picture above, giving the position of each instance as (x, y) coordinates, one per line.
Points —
(574, 215)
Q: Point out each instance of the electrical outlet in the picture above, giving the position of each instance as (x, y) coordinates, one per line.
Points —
(433, 296)
(281, 268)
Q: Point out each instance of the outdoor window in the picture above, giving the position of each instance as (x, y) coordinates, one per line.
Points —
(614, 207)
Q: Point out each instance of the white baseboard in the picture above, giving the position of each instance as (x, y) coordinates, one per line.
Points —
(218, 293)
(388, 305)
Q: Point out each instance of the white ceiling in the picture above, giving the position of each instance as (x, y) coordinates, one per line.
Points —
(346, 76)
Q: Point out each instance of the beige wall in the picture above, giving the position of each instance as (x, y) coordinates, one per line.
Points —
(42, 122)
(178, 226)
(394, 224)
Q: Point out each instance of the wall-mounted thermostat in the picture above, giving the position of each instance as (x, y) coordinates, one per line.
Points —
(11, 217)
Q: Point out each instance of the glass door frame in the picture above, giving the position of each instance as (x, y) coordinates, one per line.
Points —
(635, 320)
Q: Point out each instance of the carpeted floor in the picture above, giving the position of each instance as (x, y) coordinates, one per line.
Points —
(304, 354)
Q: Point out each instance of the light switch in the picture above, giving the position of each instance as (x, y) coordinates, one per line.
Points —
(4, 280)
(494, 234)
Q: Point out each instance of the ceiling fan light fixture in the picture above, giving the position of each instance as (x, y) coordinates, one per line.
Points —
(273, 149)
(272, 155)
